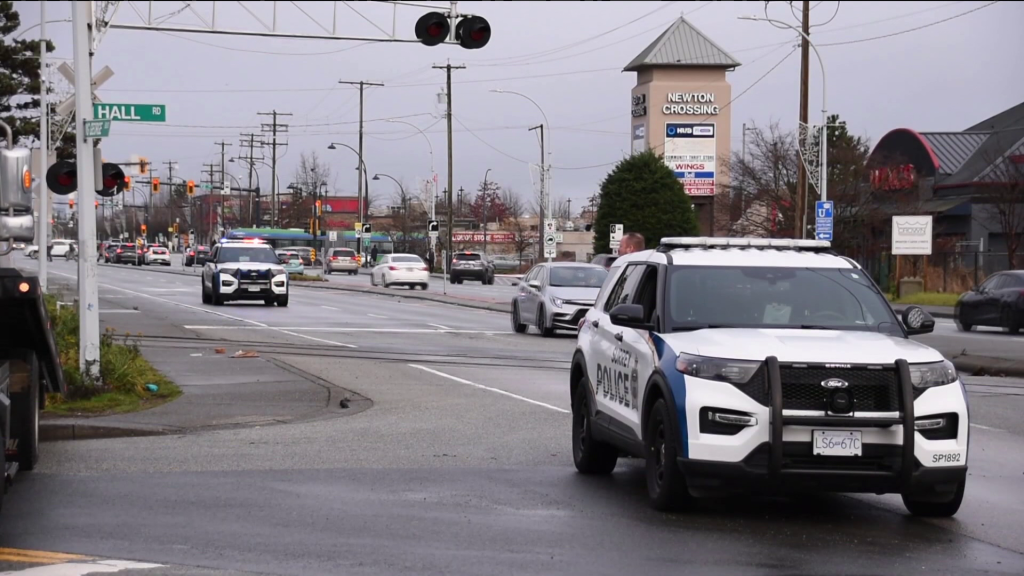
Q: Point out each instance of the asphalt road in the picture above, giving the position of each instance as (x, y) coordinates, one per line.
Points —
(462, 466)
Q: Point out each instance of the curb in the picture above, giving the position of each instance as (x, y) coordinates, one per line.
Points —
(988, 366)
(54, 430)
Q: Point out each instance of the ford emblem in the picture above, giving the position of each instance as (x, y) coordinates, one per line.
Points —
(832, 383)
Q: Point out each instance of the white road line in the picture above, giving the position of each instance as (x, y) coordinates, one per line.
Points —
(221, 314)
(439, 326)
(119, 311)
(84, 567)
(489, 389)
(331, 308)
(329, 330)
(987, 428)
(376, 316)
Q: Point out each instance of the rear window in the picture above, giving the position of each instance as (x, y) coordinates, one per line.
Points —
(159, 250)
(344, 253)
(407, 259)
(467, 257)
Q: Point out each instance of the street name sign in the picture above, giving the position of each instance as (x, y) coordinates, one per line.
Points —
(97, 128)
(130, 112)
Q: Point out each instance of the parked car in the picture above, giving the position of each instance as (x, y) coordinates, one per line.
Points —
(341, 260)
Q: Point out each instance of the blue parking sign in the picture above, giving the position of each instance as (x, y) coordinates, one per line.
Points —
(823, 209)
(823, 236)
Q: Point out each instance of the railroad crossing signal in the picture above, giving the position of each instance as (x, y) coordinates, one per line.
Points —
(65, 70)
(62, 179)
(433, 228)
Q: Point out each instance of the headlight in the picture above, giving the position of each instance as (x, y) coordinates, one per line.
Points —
(721, 369)
(933, 374)
(557, 302)
(277, 271)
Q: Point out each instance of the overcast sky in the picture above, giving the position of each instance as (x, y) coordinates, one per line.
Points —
(567, 56)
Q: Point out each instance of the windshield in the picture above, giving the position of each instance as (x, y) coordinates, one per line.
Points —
(407, 259)
(262, 255)
(577, 277)
(468, 257)
(820, 298)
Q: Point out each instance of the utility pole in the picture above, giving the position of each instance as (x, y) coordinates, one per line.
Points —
(223, 179)
(170, 186)
(451, 185)
(250, 160)
(209, 169)
(274, 127)
(801, 174)
(88, 291)
(43, 224)
(362, 186)
(543, 194)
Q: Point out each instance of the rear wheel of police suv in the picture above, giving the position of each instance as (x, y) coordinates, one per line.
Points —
(936, 509)
(666, 485)
(591, 456)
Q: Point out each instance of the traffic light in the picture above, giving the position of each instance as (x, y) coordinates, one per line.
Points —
(317, 208)
(62, 178)
(432, 28)
(113, 180)
(71, 203)
(175, 227)
(472, 32)
(155, 184)
(143, 228)
(143, 166)
(96, 203)
(190, 187)
(127, 182)
(366, 228)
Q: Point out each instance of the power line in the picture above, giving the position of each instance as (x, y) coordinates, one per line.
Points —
(909, 30)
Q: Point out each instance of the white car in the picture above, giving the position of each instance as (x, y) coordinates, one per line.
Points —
(244, 270)
(400, 270)
(59, 250)
(158, 255)
(765, 365)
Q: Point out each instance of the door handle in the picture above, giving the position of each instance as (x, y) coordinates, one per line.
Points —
(619, 336)
(595, 323)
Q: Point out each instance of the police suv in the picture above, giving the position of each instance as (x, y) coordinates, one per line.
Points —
(764, 365)
(244, 270)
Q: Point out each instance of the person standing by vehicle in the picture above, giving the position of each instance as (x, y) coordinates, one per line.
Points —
(373, 256)
(49, 251)
(631, 242)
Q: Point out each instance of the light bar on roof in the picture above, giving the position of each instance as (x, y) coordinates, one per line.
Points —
(705, 242)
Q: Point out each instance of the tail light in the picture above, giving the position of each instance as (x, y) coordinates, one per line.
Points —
(392, 268)
(333, 258)
(119, 251)
(425, 268)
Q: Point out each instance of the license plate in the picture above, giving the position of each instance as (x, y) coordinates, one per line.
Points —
(254, 288)
(837, 442)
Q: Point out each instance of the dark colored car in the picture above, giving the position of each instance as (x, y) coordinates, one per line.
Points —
(471, 266)
(604, 260)
(128, 254)
(197, 255)
(109, 253)
(998, 302)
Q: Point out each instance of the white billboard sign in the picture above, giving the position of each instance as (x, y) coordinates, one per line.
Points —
(912, 235)
(690, 151)
(639, 138)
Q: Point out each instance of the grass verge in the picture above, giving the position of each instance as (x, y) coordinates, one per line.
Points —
(305, 278)
(929, 299)
(125, 375)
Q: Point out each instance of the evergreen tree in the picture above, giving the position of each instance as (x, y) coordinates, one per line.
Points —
(643, 195)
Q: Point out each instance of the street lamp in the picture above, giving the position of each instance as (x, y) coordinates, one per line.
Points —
(257, 202)
(823, 143)
(360, 186)
(544, 142)
(430, 146)
(487, 199)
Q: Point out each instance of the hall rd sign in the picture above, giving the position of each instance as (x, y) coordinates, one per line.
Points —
(130, 112)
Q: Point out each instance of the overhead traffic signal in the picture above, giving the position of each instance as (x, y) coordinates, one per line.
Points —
(432, 28)
(143, 228)
(472, 32)
(71, 203)
(190, 187)
(155, 185)
(143, 166)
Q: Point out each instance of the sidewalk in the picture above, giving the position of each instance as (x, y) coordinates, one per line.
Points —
(218, 392)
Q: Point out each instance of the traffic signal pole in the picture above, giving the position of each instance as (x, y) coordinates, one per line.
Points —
(88, 294)
(43, 223)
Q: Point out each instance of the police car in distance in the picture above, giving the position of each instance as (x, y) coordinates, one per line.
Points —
(244, 270)
(764, 365)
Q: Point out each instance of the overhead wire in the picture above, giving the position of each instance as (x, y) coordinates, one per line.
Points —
(909, 30)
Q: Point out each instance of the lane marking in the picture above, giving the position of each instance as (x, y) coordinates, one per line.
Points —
(221, 314)
(82, 568)
(37, 556)
(439, 326)
(332, 329)
(987, 428)
(331, 308)
(119, 311)
(376, 316)
(489, 389)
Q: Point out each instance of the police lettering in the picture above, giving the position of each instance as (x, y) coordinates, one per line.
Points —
(614, 385)
(621, 357)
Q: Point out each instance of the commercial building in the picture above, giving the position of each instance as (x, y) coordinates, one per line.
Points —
(679, 109)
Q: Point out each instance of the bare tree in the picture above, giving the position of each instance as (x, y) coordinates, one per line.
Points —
(1003, 196)
(516, 209)
(310, 175)
(406, 221)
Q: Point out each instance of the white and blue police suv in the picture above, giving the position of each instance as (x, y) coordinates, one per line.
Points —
(764, 365)
(244, 270)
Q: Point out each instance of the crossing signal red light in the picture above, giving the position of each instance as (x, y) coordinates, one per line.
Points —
(473, 32)
(432, 28)
(113, 180)
(62, 178)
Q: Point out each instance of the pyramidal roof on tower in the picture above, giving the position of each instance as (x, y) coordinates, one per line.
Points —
(682, 45)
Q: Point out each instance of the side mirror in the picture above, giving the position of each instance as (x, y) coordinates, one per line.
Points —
(630, 316)
(917, 321)
(533, 284)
